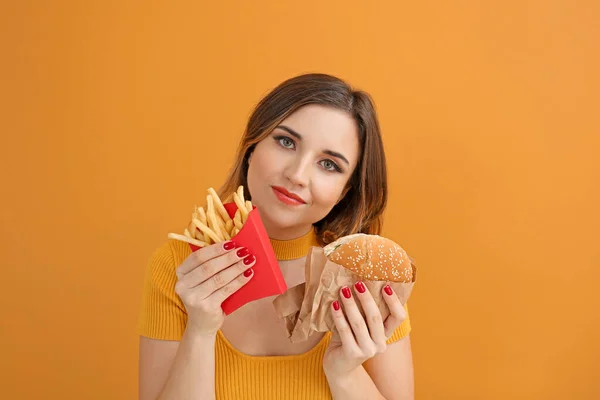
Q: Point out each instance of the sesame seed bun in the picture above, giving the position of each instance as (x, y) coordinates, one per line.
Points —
(371, 257)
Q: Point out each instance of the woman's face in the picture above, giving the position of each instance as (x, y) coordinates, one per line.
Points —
(310, 156)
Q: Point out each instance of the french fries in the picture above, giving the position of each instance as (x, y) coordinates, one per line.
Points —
(214, 225)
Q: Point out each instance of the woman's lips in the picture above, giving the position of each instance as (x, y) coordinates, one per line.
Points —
(286, 197)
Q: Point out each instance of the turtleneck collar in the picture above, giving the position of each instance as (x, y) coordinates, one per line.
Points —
(294, 248)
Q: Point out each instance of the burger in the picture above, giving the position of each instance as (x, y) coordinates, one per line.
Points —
(371, 257)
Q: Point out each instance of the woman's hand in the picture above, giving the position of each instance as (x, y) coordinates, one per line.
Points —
(206, 278)
(359, 338)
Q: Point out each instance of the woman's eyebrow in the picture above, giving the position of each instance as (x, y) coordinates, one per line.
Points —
(290, 131)
(299, 137)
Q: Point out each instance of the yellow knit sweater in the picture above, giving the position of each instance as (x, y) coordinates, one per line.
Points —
(237, 375)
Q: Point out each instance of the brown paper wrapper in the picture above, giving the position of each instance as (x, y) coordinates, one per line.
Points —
(306, 307)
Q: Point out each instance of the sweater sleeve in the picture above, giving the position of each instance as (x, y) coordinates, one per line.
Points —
(162, 314)
(403, 330)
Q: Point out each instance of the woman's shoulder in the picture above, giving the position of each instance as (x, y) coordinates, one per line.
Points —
(162, 313)
(169, 255)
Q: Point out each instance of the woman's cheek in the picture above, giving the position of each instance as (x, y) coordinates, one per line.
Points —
(327, 194)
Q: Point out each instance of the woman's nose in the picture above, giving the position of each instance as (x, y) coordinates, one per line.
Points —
(298, 173)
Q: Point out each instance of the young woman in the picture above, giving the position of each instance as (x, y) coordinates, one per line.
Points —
(312, 162)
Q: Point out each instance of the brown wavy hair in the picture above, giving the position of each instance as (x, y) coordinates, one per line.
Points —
(361, 209)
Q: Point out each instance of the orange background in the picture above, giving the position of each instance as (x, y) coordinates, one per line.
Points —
(117, 116)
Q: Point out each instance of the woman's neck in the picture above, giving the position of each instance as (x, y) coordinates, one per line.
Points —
(294, 248)
(287, 233)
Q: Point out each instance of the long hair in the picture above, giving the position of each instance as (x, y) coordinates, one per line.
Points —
(361, 209)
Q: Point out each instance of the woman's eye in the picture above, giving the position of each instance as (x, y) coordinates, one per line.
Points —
(330, 166)
(286, 142)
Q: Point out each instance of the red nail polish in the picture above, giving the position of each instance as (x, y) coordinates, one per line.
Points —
(229, 245)
(249, 260)
(248, 272)
(243, 252)
(336, 306)
(388, 290)
(346, 292)
(360, 287)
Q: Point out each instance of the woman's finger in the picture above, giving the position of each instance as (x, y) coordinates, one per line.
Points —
(397, 311)
(203, 255)
(219, 296)
(226, 276)
(343, 328)
(372, 316)
(211, 268)
(355, 320)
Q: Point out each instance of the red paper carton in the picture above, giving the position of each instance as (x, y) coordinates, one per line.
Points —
(267, 280)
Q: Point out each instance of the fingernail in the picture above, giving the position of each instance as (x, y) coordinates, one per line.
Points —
(388, 290)
(336, 306)
(360, 287)
(243, 252)
(229, 245)
(249, 260)
(248, 272)
(346, 292)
